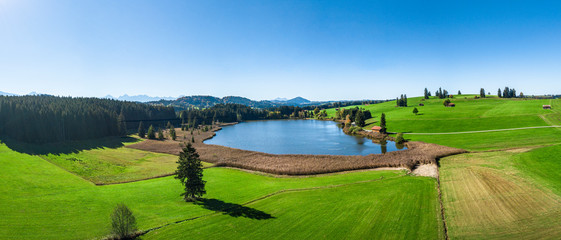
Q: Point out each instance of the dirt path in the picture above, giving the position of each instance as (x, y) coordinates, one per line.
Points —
(483, 131)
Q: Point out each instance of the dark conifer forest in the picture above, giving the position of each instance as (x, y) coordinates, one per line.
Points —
(43, 119)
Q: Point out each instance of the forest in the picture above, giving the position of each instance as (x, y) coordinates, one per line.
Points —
(43, 119)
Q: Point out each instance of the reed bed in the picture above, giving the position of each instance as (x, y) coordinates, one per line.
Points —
(298, 164)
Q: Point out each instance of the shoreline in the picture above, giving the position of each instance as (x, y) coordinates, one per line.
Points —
(417, 153)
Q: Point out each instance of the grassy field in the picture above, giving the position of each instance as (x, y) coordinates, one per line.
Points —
(106, 160)
(471, 115)
(502, 195)
(401, 208)
(40, 200)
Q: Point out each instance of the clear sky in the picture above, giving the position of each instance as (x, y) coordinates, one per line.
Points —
(320, 50)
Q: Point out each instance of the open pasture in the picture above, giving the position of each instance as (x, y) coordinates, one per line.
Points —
(471, 115)
(40, 199)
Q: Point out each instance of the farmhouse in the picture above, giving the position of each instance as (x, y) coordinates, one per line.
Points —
(376, 129)
(546, 106)
(451, 105)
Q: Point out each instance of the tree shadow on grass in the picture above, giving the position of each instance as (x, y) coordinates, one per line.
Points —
(232, 209)
(66, 147)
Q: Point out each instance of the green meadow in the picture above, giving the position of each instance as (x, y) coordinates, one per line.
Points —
(471, 115)
(513, 192)
(41, 200)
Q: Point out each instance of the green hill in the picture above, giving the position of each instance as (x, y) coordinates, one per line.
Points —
(471, 114)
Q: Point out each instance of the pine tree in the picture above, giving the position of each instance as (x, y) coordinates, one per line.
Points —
(482, 93)
(141, 130)
(160, 134)
(359, 119)
(192, 138)
(415, 111)
(151, 132)
(499, 93)
(459, 92)
(383, 123)
(122, 125)
(190, 173)
(426, 93)
(172, 133)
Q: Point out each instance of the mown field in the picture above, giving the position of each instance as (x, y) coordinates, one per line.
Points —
(503, 194)
(471, 115)
(40, 200)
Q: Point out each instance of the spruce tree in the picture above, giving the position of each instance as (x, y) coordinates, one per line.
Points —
(141, 130)
(172, 133)
(482, 93)
(383, 123)
(426, 93)
(151, 132)
(415, 111)
(122, 125)
(190, 173)
(499, 93)
(359, 119)
(160, 134)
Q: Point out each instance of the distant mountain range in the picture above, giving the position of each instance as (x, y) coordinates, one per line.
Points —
(139, 98)
(209, 101)
(7, 94)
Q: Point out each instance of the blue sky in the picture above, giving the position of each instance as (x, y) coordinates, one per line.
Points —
(321, 50)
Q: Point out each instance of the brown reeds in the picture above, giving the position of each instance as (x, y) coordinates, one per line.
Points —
(298, 164)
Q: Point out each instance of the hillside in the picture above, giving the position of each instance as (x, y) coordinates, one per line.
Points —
(470, 114)
(209, 101)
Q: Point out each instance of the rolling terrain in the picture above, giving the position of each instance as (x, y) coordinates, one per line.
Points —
(506, 187)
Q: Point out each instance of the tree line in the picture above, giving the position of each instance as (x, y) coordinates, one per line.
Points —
(43, 119)
(357, 115)
(237, 112)
(402, 101)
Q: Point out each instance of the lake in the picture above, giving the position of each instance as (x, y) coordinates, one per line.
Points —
(297, 137)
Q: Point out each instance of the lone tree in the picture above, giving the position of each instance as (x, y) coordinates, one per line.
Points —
(399, 138)
(426, 93)
(482, 93)
(383, 123)
(190, 173)
(141, 130)
(123, 222)
(415, 111)
(151, 132)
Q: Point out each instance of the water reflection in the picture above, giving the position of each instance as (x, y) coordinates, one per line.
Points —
(383, 145)
(297, 137)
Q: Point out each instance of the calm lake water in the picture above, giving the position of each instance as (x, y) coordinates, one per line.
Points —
(296, 137)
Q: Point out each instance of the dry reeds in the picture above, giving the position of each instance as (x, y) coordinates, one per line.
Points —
(298, 164)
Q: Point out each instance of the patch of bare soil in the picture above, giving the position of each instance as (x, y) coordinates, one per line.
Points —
(427, 170)
(297, 164)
